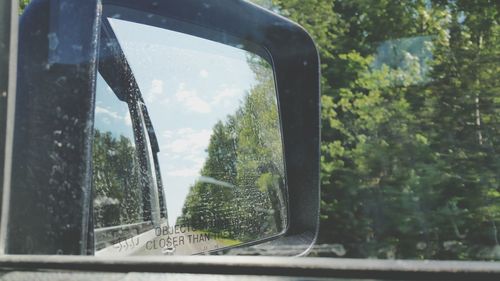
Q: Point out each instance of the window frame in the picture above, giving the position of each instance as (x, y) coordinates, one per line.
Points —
(8, 76)
(237, 267)
(117, 73)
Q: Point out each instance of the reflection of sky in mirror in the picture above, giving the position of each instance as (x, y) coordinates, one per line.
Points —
(111, 114)
(188, 84)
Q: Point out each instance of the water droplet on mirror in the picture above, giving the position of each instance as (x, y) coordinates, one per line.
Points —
(58, 144)
(78, 48)
(61, 80)
(421, 245)
(451, 245)
(53, 41)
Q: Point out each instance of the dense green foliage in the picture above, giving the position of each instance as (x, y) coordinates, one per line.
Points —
(115, 181)
(239, 194)
(410, 163)
(22, 5)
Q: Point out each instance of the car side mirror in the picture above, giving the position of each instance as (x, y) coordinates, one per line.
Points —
(163, 127)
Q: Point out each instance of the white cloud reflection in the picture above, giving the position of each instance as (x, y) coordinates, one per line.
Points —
(104, 112)
(184, 172)
(191, 100)
(226, 97)
(186, 146)
(156, 91)
(204, 73)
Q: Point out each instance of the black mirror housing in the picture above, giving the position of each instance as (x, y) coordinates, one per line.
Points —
(58, 60)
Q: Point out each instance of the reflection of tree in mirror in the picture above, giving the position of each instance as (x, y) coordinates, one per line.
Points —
(117, 192)
(240, 192)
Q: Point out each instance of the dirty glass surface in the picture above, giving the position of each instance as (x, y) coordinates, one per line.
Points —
(219, 158)
(117, 190)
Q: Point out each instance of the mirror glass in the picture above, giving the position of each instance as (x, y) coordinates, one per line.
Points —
(191, 160)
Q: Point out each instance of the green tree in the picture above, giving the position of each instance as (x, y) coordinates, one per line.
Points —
(116, 187)
(240, 193)
(410, 125)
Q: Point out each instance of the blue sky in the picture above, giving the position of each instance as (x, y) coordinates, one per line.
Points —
(188, 84)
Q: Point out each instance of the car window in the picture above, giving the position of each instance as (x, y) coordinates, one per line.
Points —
(410, 130)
